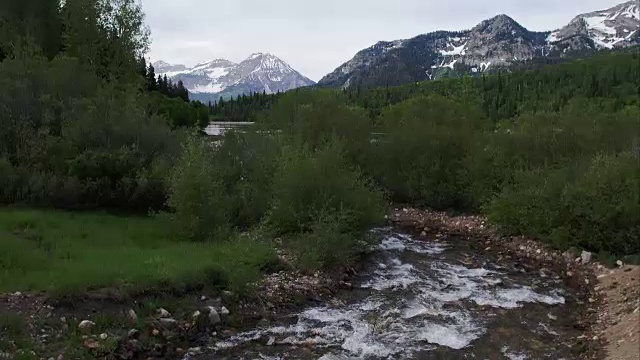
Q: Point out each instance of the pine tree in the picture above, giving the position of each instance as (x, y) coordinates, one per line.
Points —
(152, 85)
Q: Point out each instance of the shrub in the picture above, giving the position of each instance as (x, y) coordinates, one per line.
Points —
(197, 195)
(421, 155)
(603, 205)
(590, 204)
(312, 182)
(245, 164)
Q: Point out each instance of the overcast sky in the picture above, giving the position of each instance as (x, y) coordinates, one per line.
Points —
(316, 36)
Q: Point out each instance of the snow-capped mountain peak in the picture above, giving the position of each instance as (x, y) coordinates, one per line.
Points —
(217, 78)
(498, 42)
(608, 29)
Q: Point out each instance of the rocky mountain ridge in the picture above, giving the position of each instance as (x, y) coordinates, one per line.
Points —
(210, 80)
(495, 43)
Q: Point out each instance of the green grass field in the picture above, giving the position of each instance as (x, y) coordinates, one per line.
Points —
(70, 253)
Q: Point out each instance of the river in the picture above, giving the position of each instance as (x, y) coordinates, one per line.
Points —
(424, 300)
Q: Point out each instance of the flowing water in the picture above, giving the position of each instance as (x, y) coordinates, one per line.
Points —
(423, 300)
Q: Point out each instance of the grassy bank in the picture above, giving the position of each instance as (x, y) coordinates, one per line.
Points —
(69, 253)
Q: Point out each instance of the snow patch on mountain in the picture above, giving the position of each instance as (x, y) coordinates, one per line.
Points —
(212, 79)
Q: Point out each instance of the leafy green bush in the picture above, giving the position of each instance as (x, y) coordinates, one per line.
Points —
(309, 183)
(245, 164)
(315, 118)
(197, 196)
(592, 205)
(326, 245)
(420, 157)
(603, 205)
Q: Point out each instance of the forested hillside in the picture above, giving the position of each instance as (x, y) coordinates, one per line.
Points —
(85, 123)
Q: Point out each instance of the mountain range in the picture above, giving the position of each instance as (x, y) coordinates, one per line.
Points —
(210, 80)
(499, 42)
(496, 43)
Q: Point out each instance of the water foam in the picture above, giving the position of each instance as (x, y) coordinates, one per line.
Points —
(411, 306)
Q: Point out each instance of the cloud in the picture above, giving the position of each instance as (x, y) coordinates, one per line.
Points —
(315, 37)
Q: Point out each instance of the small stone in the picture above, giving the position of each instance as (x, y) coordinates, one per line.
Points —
(162, 313)
(155, 332)
(104, 336)
(85, 326)
(194, 351)
(271, 341)
(168, 323)
(423, 234)
(203, 298)
(60, 357)
(214, 318)
(578, 259)
(132, 316)
(91, 344)
(196, 314)
(586, 281)
(180, 351)
(224, 311)
(538, 251)
(134, 334)
(552, 317)
(619, 263)
(569, 274)
(595, 338)
(586, 257)
(592, 300)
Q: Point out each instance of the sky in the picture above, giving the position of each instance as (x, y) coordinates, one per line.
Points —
(317, 36)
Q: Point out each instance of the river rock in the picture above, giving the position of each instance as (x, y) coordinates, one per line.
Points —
(104, 336)
(168, 323)
(196, 314)
(132, 316)
(85, 326)
(586, 257)
(162, 313)
(214, 318)
(91, 344)
(224, 311)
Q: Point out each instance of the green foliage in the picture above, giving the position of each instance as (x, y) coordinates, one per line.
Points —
(70, 253)
(197, 195)
(612, 76)
(312, 183)
(243, 108)
(245, 163)
(316, 118)
(420, 158)
(592, 206)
